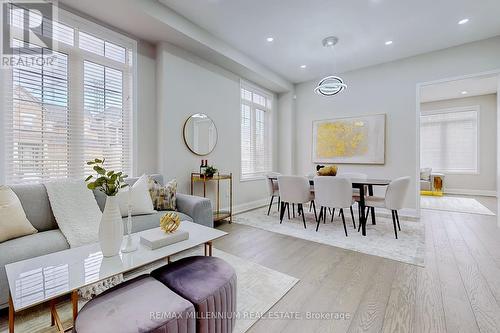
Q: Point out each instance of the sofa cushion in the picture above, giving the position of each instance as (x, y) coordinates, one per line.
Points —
(25, 248)
(143, 222)
(36, 205)
(13, 221)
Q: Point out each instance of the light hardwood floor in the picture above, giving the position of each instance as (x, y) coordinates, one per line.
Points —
(457, 291)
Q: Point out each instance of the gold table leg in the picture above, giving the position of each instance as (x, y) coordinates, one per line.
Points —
(55, 317)
(208, 249)
(74, 303)
(11, 315)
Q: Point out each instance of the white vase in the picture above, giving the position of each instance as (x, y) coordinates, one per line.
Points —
(111, 228)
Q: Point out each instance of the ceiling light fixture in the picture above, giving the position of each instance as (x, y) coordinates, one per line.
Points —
(463, 21)
(270, 39)
(330, 85)
(389, 42)
(464, 92)
(303, 66)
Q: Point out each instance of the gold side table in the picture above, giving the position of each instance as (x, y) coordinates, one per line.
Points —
(219, 214)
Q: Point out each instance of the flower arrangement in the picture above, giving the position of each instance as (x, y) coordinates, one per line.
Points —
(108, 182)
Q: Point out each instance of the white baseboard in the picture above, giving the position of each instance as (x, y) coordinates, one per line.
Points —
(461, 191)
(241, 208)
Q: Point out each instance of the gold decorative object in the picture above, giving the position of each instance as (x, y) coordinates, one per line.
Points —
(170, 222)
(330, 170)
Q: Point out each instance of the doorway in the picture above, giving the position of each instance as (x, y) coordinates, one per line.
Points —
(457, 140)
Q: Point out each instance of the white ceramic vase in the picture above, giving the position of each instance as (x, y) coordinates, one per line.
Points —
(111, 228)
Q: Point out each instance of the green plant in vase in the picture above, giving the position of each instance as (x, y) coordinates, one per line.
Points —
(111, 225)
(210, 171)
(108, 182)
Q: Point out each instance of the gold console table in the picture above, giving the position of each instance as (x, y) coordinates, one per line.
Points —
(218, 213)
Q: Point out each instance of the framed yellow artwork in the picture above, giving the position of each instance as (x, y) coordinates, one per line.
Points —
(354, 140)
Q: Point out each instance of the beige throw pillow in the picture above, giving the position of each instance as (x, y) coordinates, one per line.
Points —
(163, 197)
(13, 221)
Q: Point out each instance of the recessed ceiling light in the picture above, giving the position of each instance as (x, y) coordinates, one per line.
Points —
(270, 39)
(303, 66)
(464, 92)
(463, 21)
(389, 42)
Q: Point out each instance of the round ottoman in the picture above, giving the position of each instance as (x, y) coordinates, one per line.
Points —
(210, 284)
(139, 305)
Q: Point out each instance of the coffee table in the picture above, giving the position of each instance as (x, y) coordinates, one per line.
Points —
(48, 277)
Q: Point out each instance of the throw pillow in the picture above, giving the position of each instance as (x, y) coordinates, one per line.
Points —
(138, 197)
(425, 174)
(13, 221)
(163, 197)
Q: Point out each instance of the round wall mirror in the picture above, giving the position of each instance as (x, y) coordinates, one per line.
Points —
(200, 134)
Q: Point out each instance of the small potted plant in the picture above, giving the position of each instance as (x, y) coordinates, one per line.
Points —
(210, 171)
(111, 226)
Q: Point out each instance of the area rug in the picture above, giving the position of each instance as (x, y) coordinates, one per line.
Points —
(259, 288)
(379, 241)
(454, 204)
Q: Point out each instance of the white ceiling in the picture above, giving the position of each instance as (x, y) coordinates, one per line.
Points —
(475, 86)
(363, 26)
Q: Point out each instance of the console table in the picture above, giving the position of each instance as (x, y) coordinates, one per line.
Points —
(219, 214)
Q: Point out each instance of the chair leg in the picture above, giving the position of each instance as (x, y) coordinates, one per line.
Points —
(279, 202)
(270, 205)
(318, 220)
(343, 220)
(352, 216)
(310, 206)
(300, 209)
(397, 219)
(282, 211)
(325, 214)
(333, 214)
(373, 216)
(314, 207)
(288, 209)
(394, 223)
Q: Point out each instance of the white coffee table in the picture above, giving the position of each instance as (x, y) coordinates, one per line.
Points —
(45, 278)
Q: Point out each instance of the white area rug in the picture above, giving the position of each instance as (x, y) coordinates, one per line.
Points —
(380, 241)
(259, 288)
(454, 204)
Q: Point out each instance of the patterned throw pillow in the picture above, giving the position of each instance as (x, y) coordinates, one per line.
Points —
(163, 196)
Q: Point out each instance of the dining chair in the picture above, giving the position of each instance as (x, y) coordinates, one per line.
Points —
(295, 190)
(272, 189)
(394, 199)
(355, 191)
(311, 176)
(335, 193)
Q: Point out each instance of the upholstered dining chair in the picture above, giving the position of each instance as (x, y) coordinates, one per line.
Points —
(335, 193)
(394, 199)
(272, 189)
(355, 191)
(295, 190)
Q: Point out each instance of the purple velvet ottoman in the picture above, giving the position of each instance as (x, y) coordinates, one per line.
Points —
(210, 284)
(139, 305)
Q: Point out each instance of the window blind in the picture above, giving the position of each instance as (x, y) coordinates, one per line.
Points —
(256, 142)
(449, 140)
(73, 108)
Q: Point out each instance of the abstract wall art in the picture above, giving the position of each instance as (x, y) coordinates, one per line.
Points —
(356, 140)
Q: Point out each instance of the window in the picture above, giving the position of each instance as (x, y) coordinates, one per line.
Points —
(256, 143)
(449, 140)
(73, 108)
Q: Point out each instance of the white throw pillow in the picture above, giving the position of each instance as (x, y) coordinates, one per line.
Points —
(13, 221)
(139, 198)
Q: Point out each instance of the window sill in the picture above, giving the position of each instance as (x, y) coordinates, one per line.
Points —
(252, 179)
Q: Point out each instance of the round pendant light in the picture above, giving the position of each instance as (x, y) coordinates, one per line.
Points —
(332, 84)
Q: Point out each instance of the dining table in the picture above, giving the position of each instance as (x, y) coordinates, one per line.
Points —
(364, 185)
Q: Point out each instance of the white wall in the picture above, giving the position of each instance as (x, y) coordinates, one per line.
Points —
(145, 140)
(391, 89)
(187, 84)
(485, 181)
